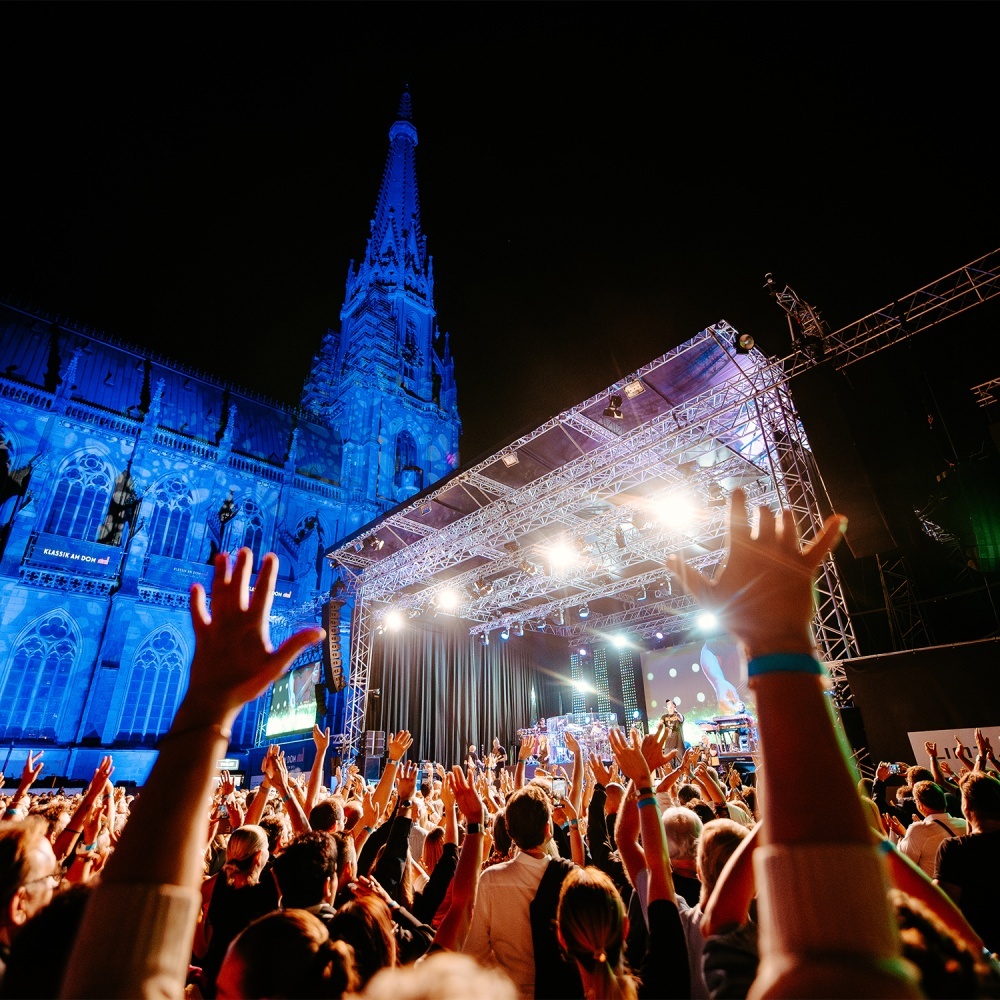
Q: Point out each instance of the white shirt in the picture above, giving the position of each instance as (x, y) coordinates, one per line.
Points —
(691, 918)
(922, 839)
(501, 921)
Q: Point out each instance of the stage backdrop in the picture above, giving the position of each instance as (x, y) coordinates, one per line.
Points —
(950, 688)
(448, 690)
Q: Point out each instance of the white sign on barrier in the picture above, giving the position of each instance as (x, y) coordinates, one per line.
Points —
(945, 740)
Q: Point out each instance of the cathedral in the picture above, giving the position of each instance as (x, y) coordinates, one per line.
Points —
(122, 474)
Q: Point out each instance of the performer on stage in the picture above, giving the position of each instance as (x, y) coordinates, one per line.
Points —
(498, 752)
(473, 759)
(672, 721)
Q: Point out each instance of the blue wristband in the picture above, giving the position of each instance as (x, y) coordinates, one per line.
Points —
(784, 663)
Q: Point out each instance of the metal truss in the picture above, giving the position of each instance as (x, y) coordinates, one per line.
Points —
(741, 431)
(362, 634)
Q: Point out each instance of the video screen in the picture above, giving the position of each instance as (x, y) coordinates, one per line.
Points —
(293, 700)
(705, 680)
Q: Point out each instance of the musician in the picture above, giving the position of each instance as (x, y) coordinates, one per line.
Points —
(498, 752)
(473, 759)
(673, 722)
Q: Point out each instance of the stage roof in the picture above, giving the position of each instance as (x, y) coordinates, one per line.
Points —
(582, 511)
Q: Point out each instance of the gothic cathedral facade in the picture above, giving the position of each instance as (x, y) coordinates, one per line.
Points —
(122, 474)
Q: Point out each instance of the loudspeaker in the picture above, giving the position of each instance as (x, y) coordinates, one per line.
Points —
(333, 663)
(372, 769)
(373, 742)
(320, 701)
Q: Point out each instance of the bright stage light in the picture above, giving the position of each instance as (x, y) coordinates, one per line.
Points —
(620, 641)
(448, 600)
(505, 633)
(676, 511)
(562, 556)
(393, 621)
(583, 651)
(707, 621)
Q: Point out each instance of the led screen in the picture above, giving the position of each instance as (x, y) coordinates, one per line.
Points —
(293, 700)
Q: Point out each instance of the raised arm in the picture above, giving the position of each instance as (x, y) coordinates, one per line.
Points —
(764, 596)
(277, 775)
(74, 828)
(398, 744)
(523, 753)
(576, 779)
(321, 738)
(162, 845)
(32, 769)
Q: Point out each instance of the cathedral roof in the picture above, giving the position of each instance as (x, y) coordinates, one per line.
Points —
(116, 377)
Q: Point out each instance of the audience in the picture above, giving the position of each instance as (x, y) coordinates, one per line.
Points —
(303, 890)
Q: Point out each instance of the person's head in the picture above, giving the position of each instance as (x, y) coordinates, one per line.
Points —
(929, 798)
(501, 838)
(353, 811)
(40, 952)
(287, 953)
(433, 849)
(529, 817)
(496, 742)
(718, 840)
(915, 773)
(688, 793)
(702, 810)
(592, 926)
(472, 748)
(683, 828)
(347, 859)
(246, 854)
(327, 815)
(980, 797)
(274, 828)
(441, 976)
(613, 793)
(366, 925)
(28, 873)
(306, 870)
(865, 787)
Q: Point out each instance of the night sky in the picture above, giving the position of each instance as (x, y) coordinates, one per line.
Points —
(598, 182)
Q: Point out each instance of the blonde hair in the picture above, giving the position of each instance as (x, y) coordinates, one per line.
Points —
(592, 926)
(245, 844)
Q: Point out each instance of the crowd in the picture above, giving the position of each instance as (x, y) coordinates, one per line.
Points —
(647, 875)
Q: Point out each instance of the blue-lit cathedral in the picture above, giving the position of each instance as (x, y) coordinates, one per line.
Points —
(122, 474)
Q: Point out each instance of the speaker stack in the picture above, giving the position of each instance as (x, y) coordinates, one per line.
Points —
(333, 661)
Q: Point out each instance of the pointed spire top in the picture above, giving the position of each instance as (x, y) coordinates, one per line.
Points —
(405, 105)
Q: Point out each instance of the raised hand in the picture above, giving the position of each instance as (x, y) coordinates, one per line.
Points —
(406, 782)
(628, 754)
(602, 774)
(448, 794)
(32, 769)
(233, 659)
(321, 737)
(932, 749)
(764, 595)
(526, 748)
(398, 744)
(983, 743)
(652, 749)
(572, 744)
(466, 796)
(226, 785)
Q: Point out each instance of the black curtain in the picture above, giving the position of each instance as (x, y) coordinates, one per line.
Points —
(449, 690)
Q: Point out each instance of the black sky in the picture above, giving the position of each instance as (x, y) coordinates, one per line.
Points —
(598, 181)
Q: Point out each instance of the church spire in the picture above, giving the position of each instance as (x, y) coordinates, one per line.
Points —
(396, 254)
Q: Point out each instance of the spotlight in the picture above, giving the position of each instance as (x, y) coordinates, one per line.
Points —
(659, 635)
(560, 617)
(620, 537)
(509, 459)
(374, 544)
(633, 389)
(481, 587)
(519, 630)
(485, 638)
(641, 595)
(637, 714)
(620, 641)
(447, 600)
(584, 612)
(505, 633)
(529, 568)
(707, 621)
(614, 407)
(744, 343)
(540, 624)
(583, 651)
(393, 621)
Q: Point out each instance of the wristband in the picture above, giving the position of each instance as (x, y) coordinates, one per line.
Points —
(68, 830)
(395, 763)
(87, 847)
(775, 663)
(885, 846)
(562, 826)
(644, 801)
(404, 803)
(474, 828)
(285, 799)
(574, 822)
(10, 811)
(367, 829)
(645, 790)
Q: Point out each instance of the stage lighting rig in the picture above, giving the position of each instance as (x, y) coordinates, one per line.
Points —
(614, 407)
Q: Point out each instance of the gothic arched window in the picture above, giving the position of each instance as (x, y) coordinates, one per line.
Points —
(406, 452)
(171, 517)
(159, 670)
(81, 498)
(38, 676)
(246, 530)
